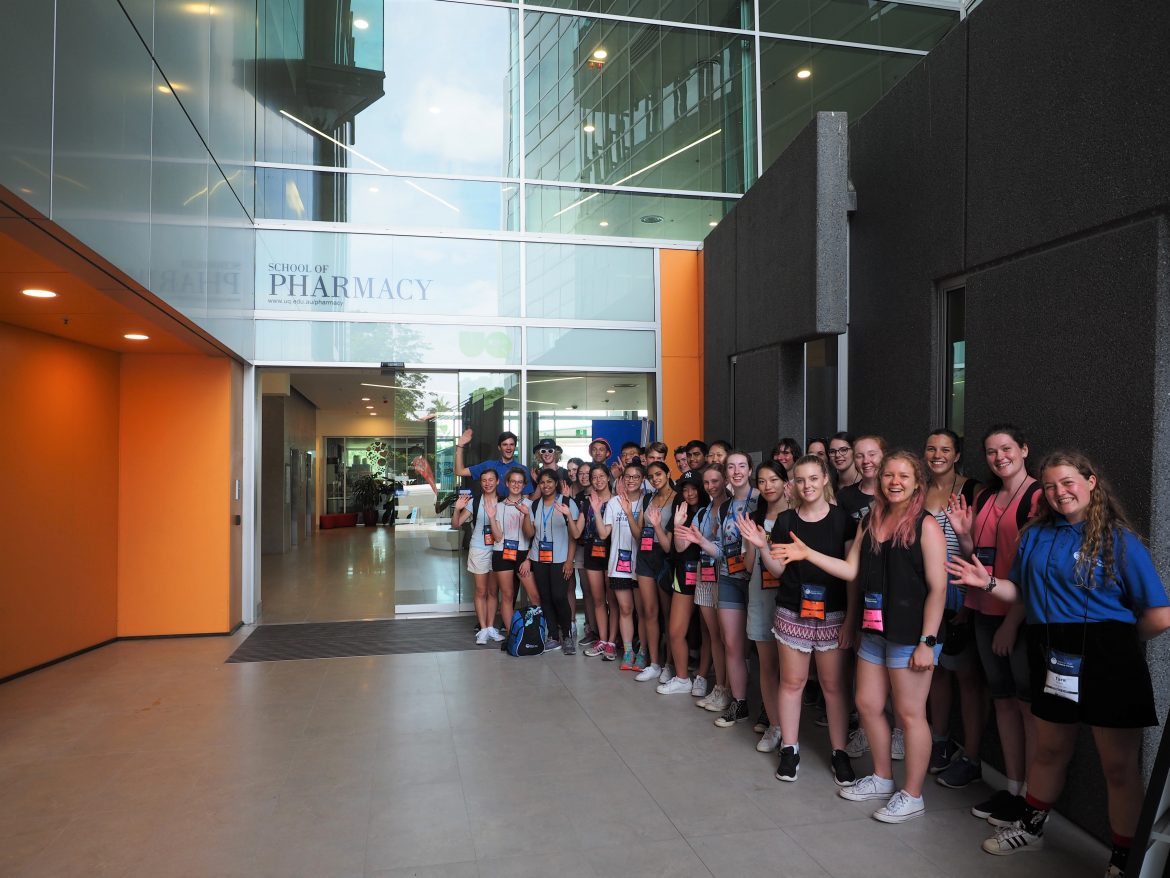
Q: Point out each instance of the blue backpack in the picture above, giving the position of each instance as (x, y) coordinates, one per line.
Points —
(526, 634)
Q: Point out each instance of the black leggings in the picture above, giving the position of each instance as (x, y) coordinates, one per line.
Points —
(554, 596)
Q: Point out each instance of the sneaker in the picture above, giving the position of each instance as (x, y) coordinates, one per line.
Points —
(494, 634)
(999, 801)
(737, 712)
(641, 660)
(595, 649)
(699, 687)
(789, 763)
(762, 722)
(719, 700)
(667, 673)
(1011, 811)
(481, 636)
(812, 693)
(770, 741)
(1114, 871)
(653, 672)
(551, 644)
(822, 720)
(591, 637)
(898, 746)
(901, 807)
(610, 653)
(677, 686)
(869, 787)
(1013, 840)
(942, 754)
(627, 659)
(842, 768)
(858, 744)
(960, 773)
(569, 644)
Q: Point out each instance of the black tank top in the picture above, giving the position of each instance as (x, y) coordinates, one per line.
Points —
(898, 574)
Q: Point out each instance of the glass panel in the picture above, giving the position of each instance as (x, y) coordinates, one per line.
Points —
(304, 341)
(820, 375)
(663, 108)
(590, 283)
(26, 137)
(563, 405)
(386, 274)
(556, 210)
(798, 79)
(720, 13)
(384, 201)
(859, 21)
(549, 346)
(445, 103)
(955, 351)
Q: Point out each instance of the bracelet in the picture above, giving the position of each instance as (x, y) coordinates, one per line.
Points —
(991, 583)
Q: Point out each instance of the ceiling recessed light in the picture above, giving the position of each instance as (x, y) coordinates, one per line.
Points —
(40, 294)
(365, 399)
(651, 219)
(604, 224)
(434, 109)
(373, 414)
(588, 128)
(712, 224)
(136, 336)
(369, 406)
(600, 54)
(373, 188)
(164, 90)
(803, 73)
(361, 24)
(611, 390)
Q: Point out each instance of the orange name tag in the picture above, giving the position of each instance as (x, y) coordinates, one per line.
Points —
(735, 564)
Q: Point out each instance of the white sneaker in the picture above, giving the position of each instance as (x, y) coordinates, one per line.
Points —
(667, 673)
(858, 744)
(1014, 839)
(718, 702)
(901, 807)
(481, 636)
(869, 787)
(650, 672)
(699, 687)
(677, 686)
(898, 746)
(494, 634)
(770, 741)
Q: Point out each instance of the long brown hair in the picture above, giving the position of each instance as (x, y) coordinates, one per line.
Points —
(1104, 517)
(906, 530)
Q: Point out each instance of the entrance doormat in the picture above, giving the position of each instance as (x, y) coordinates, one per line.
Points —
(314, 640)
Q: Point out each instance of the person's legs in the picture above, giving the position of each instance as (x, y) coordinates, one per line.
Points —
(681, 606)
(529, 585)
(873, 688)
(941, 702)
(507, 590)
(1055, 743)
(1119, 750)
(560, 589)
(833, 674)
(973, 704)
(769, 679)
(910, 689)
(731, 627)
(648, 618)
(625, 602)
(485, 618)
(596, 580)
(587, 594)
(715, 645)
(541, 575)
(793, 666)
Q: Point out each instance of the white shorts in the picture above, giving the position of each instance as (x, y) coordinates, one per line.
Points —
(479, 560)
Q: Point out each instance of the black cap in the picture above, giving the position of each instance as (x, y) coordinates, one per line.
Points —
(690, 477)
(547, 443)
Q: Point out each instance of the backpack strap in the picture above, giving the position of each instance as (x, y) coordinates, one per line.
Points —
(1024, 510)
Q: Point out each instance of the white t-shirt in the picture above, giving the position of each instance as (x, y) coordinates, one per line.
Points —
(621, 538)
(511, 521)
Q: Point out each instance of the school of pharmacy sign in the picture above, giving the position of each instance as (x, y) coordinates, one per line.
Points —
(303, 284)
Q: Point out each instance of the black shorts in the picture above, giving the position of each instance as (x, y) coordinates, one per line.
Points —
(649, 564)
(620, 583)
(665, 577)
(499, 564)
(1115, 687)
(592, 563)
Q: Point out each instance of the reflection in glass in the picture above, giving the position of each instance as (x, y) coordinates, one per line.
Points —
(306, 341)
(421, 203)
(629, 348)
(798, 79)
(820, 396)
(446, 104)
(859, 21)
(621, 214)
(589, 283)
(719, 13)
(955, 352)
(661, 107)
(563, 405)
(334, 272)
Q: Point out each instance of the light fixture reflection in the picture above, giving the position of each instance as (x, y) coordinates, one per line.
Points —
(604, 224)
(588, 127)
(803, 73)
(361, 24)
(600, 54)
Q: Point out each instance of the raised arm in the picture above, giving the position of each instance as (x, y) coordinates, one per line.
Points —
(461, 468)
(843, 568)
(461, 513)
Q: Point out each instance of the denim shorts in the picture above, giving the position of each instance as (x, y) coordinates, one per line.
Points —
(876, 650)
(732, 593)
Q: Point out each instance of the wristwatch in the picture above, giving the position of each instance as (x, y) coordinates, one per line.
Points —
(929, 639)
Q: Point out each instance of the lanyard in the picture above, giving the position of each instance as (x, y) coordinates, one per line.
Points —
(1043, 580)
(545, 517)
(999, 520)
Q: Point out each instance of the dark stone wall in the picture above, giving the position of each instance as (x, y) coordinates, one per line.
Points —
(719, 267)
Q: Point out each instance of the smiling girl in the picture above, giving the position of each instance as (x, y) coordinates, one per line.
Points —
(856, 498)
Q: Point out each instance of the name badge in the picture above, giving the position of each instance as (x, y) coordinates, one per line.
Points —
(511, 548)
(488, 538)
(1063, 677)
(706, 568)
(624, 561)
(871, 615)
(735, 564)
(812, 601)
(598, 549)
(544, 551)
(647, 544)
(767, 580)
(986, 557)
(690, 574)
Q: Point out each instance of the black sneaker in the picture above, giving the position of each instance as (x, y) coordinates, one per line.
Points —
(789, 763)
(942, 754)
(999, 800)
(736, 712)
(1011, 812)
(762, 723)
(842, 768)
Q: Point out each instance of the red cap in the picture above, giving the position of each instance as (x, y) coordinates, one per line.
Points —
(604, 442)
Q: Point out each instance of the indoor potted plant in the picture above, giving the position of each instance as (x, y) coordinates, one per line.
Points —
(366, 493)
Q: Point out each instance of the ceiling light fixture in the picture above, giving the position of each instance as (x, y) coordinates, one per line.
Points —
(803, 73)
(373, 414)
(365, 399)
(600, 54)
(369, 406)
(589, 128)
(361, 24)
(611, 390)
(40, 294)
(713, 224)
(136, 336)
(604, 224)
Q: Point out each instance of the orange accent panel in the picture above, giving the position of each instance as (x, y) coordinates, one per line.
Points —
(175, 472)
(58, 542)
(681, 307)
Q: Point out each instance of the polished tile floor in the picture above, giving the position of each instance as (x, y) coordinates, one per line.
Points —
(154, 758)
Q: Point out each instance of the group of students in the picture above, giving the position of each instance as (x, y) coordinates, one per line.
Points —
(895, 576)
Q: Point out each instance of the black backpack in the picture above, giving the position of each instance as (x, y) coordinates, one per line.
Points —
(1023, 511)
(527, 633)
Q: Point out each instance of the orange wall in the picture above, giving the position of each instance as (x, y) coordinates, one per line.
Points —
(175, 488)
(58, 465)
(681, 307)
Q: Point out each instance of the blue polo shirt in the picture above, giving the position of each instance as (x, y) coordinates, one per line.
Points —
(501, 469)
(1045, 570)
